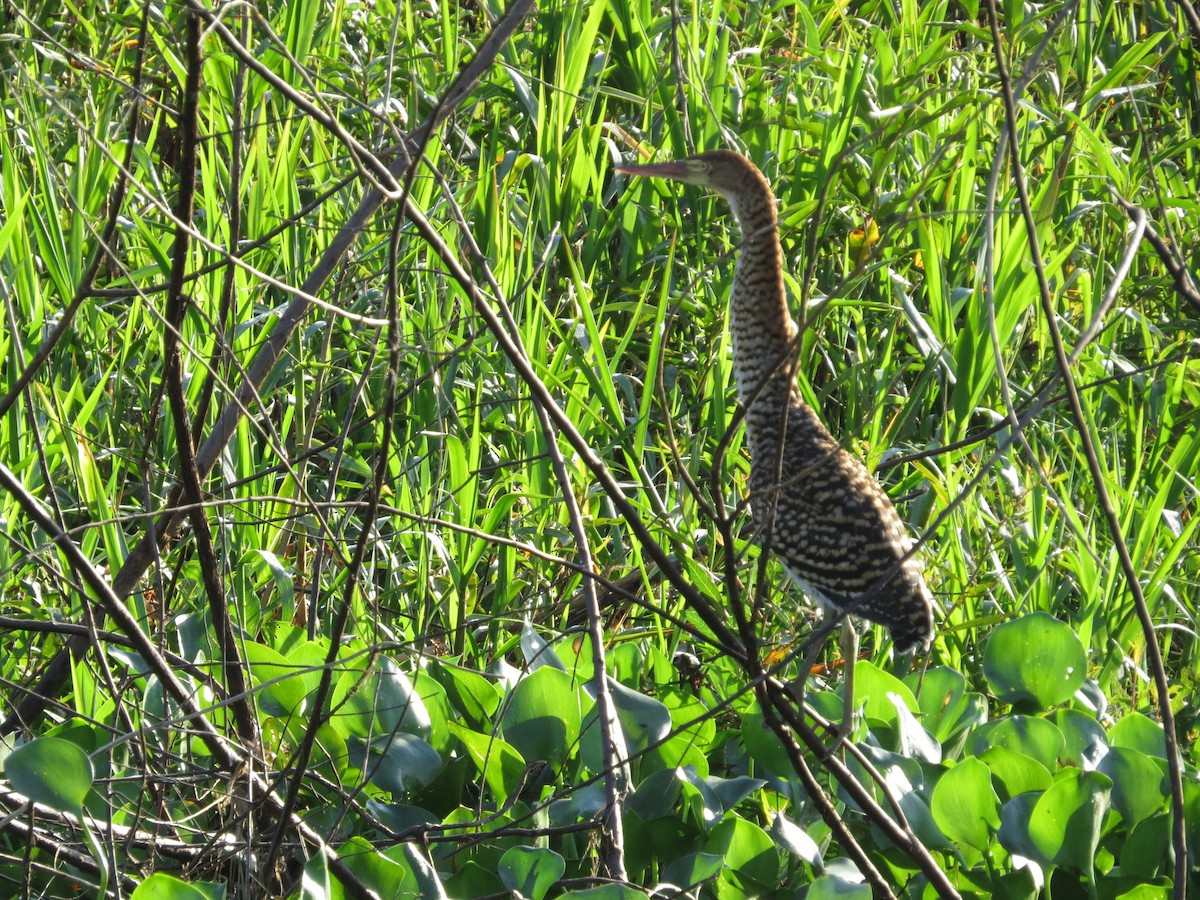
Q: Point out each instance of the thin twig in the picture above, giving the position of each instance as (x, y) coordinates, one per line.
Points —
(1153, 653)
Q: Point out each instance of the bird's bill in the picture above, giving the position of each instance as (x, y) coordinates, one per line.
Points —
(689, 170)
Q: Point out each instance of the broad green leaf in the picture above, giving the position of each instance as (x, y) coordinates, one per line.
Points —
(1036, 738)
(377, 871)
(1136, 732)
(764, 747)
(1085, 741)
(378, 701)
(1035, 660)
(536, 651)
(796, 841)
(965, 806)
(282, 691)
(317, 882)
(914, 741)
(835, 887)
(476, 697)
(51, 771)
(1014, 833)
(644, 720)
(541, 716)
(607, 892)
(1015, 773)
(693, 870)
(1065, 824)
(1146, 851)
(872, 686)
(1139, 785)
(473, 880)
(399, 763)
(161, 886)
(947, 708)
(502, 766)
(531, 871)
(656, 797)
(751, 859)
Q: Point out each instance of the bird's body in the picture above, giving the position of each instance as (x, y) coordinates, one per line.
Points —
(822, 513)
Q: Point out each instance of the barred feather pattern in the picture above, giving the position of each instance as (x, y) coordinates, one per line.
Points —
(826, 517)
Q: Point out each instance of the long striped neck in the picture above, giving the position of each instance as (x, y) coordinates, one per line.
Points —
(760, 324)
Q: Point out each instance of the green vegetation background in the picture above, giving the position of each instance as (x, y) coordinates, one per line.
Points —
(881, 127)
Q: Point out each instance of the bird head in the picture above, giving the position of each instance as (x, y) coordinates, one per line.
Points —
(723, 171)
(727, 173)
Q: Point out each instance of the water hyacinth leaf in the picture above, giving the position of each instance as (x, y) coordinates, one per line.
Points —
(679, 750)
(751, 858)
(1036, 738)
(437, 706)
(531, 871)
(732, 791)
(579, 806)
(871, 688)
(161, 886)
(51, 771)
(1137, 732)
(915, 741)
(398, 706)
(1086, 742)
(385, 876)
(379, 700)
(399, 763)
(1065, 824)
(317, 883)
(1013, 833)
(835, 887)
(656, 797)
(694, 869)
(1034, 661)
(474, 880)
(474, 696)
(536, 651)
(796, 841)
(920, 819)
(700, 804)
(428, 882)
(644, 719)
(1138, 790)
(607, 892)
(947, 708)
(575, 654)
(764, 745)
(282, 691)
(1145, 850)
(541, 716)
(1015, 773)
(502, 766)
(965, 806)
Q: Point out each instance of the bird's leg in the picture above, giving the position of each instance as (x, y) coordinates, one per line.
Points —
(848, 643)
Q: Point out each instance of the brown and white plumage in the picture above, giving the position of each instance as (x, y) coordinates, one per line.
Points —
(834, 529)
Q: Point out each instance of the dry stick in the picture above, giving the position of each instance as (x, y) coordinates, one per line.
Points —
(115, 200)
(612, 741)
(146, 551)
(907, 839)
(225, 753)
(728, 642)
(903, 838)
(1185, 281)
(176, 310)
(837, 825)
(1178, 832)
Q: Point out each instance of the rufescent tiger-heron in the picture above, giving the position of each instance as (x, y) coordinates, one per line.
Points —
(824, 515)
